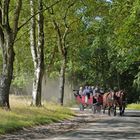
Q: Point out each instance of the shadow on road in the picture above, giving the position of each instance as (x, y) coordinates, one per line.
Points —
(132, 114)
(111, 128)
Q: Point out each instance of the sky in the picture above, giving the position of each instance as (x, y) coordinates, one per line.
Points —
(108, 0)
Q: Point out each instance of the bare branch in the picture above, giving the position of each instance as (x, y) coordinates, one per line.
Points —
(47, 7)
(16, 17)
(40, 31)
(5, 13)
(64, 36)
(59, 36)
(1, 28)
(1, 37)
(1, 20)
(52, 58)
(33, 45)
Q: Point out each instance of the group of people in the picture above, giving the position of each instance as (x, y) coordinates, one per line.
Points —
(90, 90)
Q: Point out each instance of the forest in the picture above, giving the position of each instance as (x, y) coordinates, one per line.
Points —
(71, 42)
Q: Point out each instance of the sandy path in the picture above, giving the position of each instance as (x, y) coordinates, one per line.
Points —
(85, 126)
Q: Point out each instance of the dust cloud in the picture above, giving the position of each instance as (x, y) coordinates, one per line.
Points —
(50, 91)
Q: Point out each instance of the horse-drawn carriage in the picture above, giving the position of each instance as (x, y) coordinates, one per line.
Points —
(89, 101)
(110, 101)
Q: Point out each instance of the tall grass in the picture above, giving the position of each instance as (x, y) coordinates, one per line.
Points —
(23, 115)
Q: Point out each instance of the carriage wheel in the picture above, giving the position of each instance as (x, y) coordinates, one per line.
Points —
(81, 106)
(112, 111)
(99, 108)
(93, 109)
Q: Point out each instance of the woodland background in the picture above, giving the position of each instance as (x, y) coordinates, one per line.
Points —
(73, 43)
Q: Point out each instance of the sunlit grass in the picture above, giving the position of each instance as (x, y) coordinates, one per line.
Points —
(23, 115)
(134, 106)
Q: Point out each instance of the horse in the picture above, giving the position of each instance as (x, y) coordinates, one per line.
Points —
(112, 100)
(120, 98)
(109, 102)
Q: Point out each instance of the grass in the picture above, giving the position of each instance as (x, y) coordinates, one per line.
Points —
(23, 115)
(134, 106)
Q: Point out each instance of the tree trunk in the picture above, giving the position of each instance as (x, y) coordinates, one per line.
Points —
(37, 52)
(7, 38)
(62, 80)
(7, 73)
(63, 51)
(37, 87)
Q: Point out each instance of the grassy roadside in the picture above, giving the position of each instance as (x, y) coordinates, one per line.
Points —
(23, 115)
(133, 106)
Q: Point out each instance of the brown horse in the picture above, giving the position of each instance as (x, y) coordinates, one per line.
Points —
(109, 102)
(112, 100)
(120, 98)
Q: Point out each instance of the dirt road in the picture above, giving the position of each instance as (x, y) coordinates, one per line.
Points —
(108, 128)
(86, 126)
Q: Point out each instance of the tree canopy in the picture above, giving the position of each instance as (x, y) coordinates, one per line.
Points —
(100, 39)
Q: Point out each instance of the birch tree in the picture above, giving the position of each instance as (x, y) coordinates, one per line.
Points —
(8, 34)
(37, 51)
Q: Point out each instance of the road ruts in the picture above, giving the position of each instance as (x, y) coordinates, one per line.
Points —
(107, 128)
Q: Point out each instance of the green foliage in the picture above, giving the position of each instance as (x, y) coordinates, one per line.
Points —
(23, 65)
(21, 80)
(124, 41)
(103, 40)
(126, 30)
(134, 106)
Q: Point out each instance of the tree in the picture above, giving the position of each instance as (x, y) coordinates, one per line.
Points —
(63, 23)
(37, 51)
(124, 44)
(8, 34)
(91, 55)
